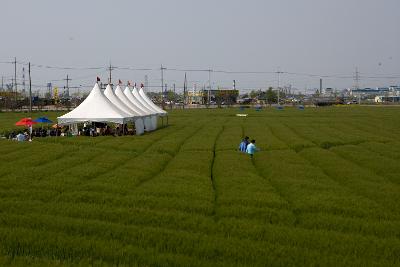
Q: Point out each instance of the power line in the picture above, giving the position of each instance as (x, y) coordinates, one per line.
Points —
(199, 70)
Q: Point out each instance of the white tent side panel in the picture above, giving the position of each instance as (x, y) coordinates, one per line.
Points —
(139, 126)
(126, 101)
(138, 101)
(137, 118)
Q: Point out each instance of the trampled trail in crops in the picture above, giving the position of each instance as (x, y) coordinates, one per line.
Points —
(323, 190)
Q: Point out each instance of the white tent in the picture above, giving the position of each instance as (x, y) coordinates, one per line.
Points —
(137, 118)
(143, 102)
(136, 102)
(95, 108)
(146, 116)
(154, 106)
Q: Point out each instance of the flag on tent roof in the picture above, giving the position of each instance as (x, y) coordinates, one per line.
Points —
(141, 85)
(98, 79)
(119, 82)
(129, 83)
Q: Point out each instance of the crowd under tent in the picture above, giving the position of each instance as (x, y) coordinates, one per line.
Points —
(146, 116)
(137, 118)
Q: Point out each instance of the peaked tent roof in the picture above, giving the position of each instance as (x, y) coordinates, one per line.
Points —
(137, 103)
(145, 97)
(109, 93)
(143, 102)
(96, 107)
(118, 92)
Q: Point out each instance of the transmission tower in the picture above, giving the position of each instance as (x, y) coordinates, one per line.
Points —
(110, 69)
(356, 79)
(67, 87)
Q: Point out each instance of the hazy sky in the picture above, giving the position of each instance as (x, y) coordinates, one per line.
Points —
(322, 37)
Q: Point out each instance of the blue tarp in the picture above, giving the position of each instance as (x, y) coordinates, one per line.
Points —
(43, 120)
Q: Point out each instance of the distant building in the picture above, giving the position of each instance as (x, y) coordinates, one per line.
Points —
(387, 99)
(369, 92)
(195, 97)
(328, 92)
(224, 96)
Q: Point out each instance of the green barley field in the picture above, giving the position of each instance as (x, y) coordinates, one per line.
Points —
(323, 191)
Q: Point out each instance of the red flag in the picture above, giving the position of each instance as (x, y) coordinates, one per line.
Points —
(129, 83)
(141, 85)
(134, 85)
(98, 79)
(119, 82)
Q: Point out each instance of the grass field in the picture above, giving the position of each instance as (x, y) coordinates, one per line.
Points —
(323, 191)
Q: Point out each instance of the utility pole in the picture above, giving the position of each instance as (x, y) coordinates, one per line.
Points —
(15, 79)
(110, 68)
(23, 81)
(173, 97)
(30, 88)
(279, 80)
(162, 85)
(320, 86)
(68, 79)
(184, 91)
(209, 86)
(11, 94)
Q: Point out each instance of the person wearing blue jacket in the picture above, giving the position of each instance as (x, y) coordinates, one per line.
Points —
(243, 145)
(251, 148)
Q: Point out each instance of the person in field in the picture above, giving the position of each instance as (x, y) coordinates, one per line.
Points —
(20, 137)
(243, 145)
(251, 148)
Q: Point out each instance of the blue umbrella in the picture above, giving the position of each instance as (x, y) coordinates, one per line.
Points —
(43, 120)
